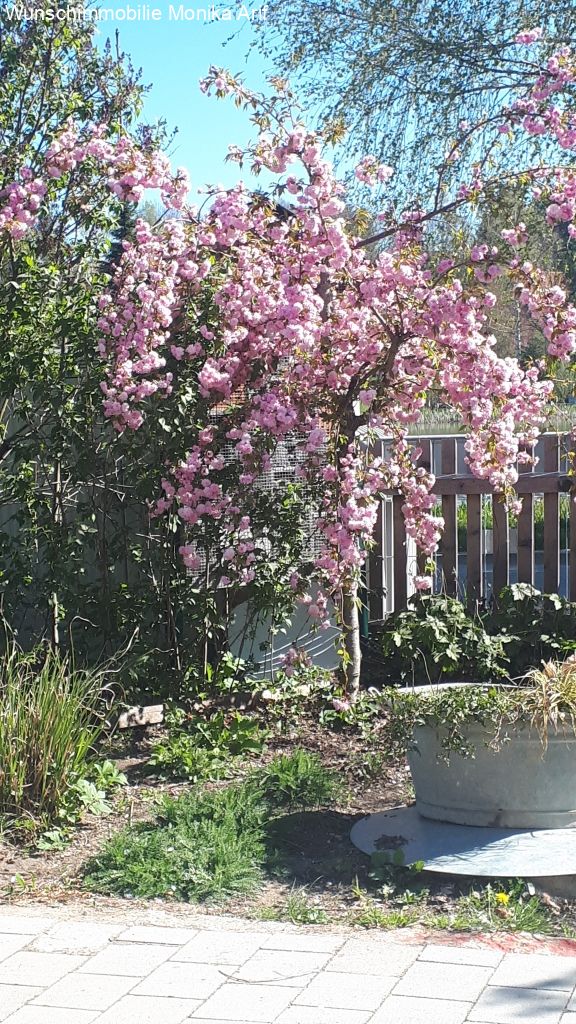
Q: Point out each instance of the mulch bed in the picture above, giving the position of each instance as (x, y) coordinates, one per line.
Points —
(317, 855)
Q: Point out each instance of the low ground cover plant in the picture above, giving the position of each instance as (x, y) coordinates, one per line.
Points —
(297, 781)
(201, 846)
(212, 843)
(198, 746)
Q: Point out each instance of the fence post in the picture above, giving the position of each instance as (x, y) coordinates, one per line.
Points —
(425, 461)
(400, 554)
(474, 581)
(526, 534)
(551, 520)
(375, 569)
(500, 554)
(449, 540)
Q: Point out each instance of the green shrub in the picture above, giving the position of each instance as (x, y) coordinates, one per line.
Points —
(536, 627)
(202, 846)
(297, 780)
(436, 639)
(49, 725)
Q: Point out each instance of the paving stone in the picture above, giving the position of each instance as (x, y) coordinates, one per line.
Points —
(481, 956)
(452, 981)
(513, 1005)
(282, 967)
(11, 944)
(221, 947)
(12, 923)
(41, 968)
(412, 1010)
(76, 937)
(238, 1002)
(52, 1015)
(149, 1010)
(157, 934)
(85, 991)
(221, 923)
(12, 997)
(370, 956)
(346, 991)
(136, 960)
(535, 970)
(187, 981)
(315, 1015)
(304, 943)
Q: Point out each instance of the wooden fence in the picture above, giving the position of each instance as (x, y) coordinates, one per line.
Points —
(490, 559)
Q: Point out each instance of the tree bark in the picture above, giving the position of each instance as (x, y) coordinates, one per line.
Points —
(351, 630)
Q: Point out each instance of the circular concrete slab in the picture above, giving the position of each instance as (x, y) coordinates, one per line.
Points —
(466, 850)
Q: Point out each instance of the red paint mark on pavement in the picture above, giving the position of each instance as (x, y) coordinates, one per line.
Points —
(508, 942)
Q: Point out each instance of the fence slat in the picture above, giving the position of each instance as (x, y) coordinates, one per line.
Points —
(551, 519)
(474, 581)
(572, 543)
(500, 549)
(375, 569)
(425, 461)
(526, 534)
(400, 554)
(449, 540)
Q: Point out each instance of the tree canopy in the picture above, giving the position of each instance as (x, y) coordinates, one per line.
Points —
(401, 75)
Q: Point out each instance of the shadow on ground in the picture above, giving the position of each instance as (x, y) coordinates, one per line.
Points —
(314, 847)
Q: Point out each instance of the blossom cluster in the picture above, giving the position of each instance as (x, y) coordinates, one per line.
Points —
(128, 169)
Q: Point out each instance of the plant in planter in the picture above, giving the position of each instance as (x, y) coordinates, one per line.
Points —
(499, 756)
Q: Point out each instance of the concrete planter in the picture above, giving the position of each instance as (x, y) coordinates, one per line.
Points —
(521, 785)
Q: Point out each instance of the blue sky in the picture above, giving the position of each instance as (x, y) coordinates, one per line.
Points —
(174, 55)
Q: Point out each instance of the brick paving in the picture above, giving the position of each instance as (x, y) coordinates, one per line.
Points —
(58, 966)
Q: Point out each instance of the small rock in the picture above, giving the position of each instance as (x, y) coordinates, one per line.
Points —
(152, 714)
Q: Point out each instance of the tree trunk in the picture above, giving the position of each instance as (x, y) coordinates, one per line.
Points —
(351, 629)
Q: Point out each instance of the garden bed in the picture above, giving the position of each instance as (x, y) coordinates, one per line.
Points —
(321, 880)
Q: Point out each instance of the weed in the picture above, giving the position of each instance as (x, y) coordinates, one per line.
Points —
(298, 909)
(297, 781)
(502, 906)
(106, 776)
(202, 846)
(372, 916)
(301, 910)
(180, 757)
(370, 764)
(198, 748)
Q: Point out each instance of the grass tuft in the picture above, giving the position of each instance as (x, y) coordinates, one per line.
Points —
(297, 781)
(49, 726)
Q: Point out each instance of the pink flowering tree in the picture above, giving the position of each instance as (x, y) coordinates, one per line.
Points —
(279, 324)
